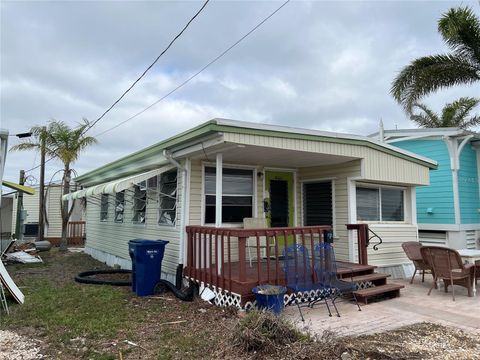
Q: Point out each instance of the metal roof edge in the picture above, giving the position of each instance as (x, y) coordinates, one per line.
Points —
(187, 135)
(447, 131)
(227, 125)
(308, 134)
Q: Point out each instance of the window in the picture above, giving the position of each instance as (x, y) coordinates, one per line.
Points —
(167, 211)
(104, 207)
(317, 203)
(119, 206)
(139, 203)
(237, 196)
(380, 204)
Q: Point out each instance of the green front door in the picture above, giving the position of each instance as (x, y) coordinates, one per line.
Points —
(279, 192)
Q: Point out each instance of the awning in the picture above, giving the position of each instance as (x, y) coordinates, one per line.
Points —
(25, 189)
(116, 185)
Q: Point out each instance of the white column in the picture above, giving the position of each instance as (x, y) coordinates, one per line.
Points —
(452, 146)
(218, 190)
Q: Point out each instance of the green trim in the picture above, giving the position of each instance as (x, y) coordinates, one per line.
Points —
(129, 163)
(150, 151)
(288, 177)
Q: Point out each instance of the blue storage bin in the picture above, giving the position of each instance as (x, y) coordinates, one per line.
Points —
(270, 297)
(147, 256)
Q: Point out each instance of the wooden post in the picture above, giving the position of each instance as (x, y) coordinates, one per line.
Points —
(19, 222)
(41, 197)
(362, 239)
(242, 258)
(362, 244)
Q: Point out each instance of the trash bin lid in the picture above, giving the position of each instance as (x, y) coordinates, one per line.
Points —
(145, 242)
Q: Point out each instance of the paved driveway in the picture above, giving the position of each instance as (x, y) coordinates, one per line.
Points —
(414, 305)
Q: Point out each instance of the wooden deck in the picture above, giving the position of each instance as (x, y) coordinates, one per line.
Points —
(228, 277)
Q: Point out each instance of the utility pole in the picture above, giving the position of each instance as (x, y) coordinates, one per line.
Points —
(20, 214)
(41, 212)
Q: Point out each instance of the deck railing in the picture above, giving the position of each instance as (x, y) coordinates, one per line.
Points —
(235, 260)
(76, 232)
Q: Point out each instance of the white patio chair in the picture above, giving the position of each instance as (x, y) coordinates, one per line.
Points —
(257, 223)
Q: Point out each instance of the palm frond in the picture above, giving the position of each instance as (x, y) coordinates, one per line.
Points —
(431, 73)
(460, 29)
(61, 141)
(427, 118)
(462, 107)
(473, 121)
(26, 145)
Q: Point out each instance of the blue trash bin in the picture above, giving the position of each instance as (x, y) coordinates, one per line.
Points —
(147, 256)
(270, 297)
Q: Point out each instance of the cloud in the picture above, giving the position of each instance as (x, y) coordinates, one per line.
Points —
(322, 65)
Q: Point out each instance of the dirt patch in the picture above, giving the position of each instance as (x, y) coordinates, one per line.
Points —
(418, 341)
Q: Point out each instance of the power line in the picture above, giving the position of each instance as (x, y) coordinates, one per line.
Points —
(148, 68)
(198, 72)
(36, 167)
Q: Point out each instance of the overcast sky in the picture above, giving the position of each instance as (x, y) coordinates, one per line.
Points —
(319, 65)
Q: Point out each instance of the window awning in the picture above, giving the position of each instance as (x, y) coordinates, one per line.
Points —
(118, 185)
(25, 189)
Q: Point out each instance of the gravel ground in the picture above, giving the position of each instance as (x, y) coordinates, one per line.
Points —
(16, 347)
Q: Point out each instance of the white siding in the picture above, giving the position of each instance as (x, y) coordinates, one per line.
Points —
(30, 204)
(390, 252)
(378, 166)
(53, 194)
(54, 213)
(112, 238)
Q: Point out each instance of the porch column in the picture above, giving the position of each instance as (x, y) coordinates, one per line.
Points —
(218, 209)
(218, 191)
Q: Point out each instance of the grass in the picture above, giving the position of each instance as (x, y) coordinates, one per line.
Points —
(76, 321)
(60, 311)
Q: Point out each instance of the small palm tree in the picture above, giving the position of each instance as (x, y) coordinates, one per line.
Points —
(63, 143)
(460, 29)
(455, 114)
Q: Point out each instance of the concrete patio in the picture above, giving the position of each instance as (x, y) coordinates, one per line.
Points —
(414, 305)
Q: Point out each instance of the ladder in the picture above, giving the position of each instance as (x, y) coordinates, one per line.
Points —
(3, 299)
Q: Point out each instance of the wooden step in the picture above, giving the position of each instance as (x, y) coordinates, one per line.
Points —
(375, 277)
(388, 289)
(345, 269)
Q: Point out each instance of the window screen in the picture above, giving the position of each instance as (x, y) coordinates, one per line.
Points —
(237, 195)
(317, 200)
(368, 201)
(139, 203)
(392, 204)
(380, 204)
(119, 206)
(104, 207)
(167, 198)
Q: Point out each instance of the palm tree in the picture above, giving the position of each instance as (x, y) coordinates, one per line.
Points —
(460, 29)
(455, 114)
(63, 143)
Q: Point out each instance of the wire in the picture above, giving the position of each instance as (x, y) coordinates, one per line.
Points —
(36, 167)
(197, 73)
(148, 68)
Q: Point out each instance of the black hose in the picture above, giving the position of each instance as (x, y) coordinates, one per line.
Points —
(84, 277)
(186, 295)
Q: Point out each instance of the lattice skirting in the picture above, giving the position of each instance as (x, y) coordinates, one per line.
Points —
(226, 298)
